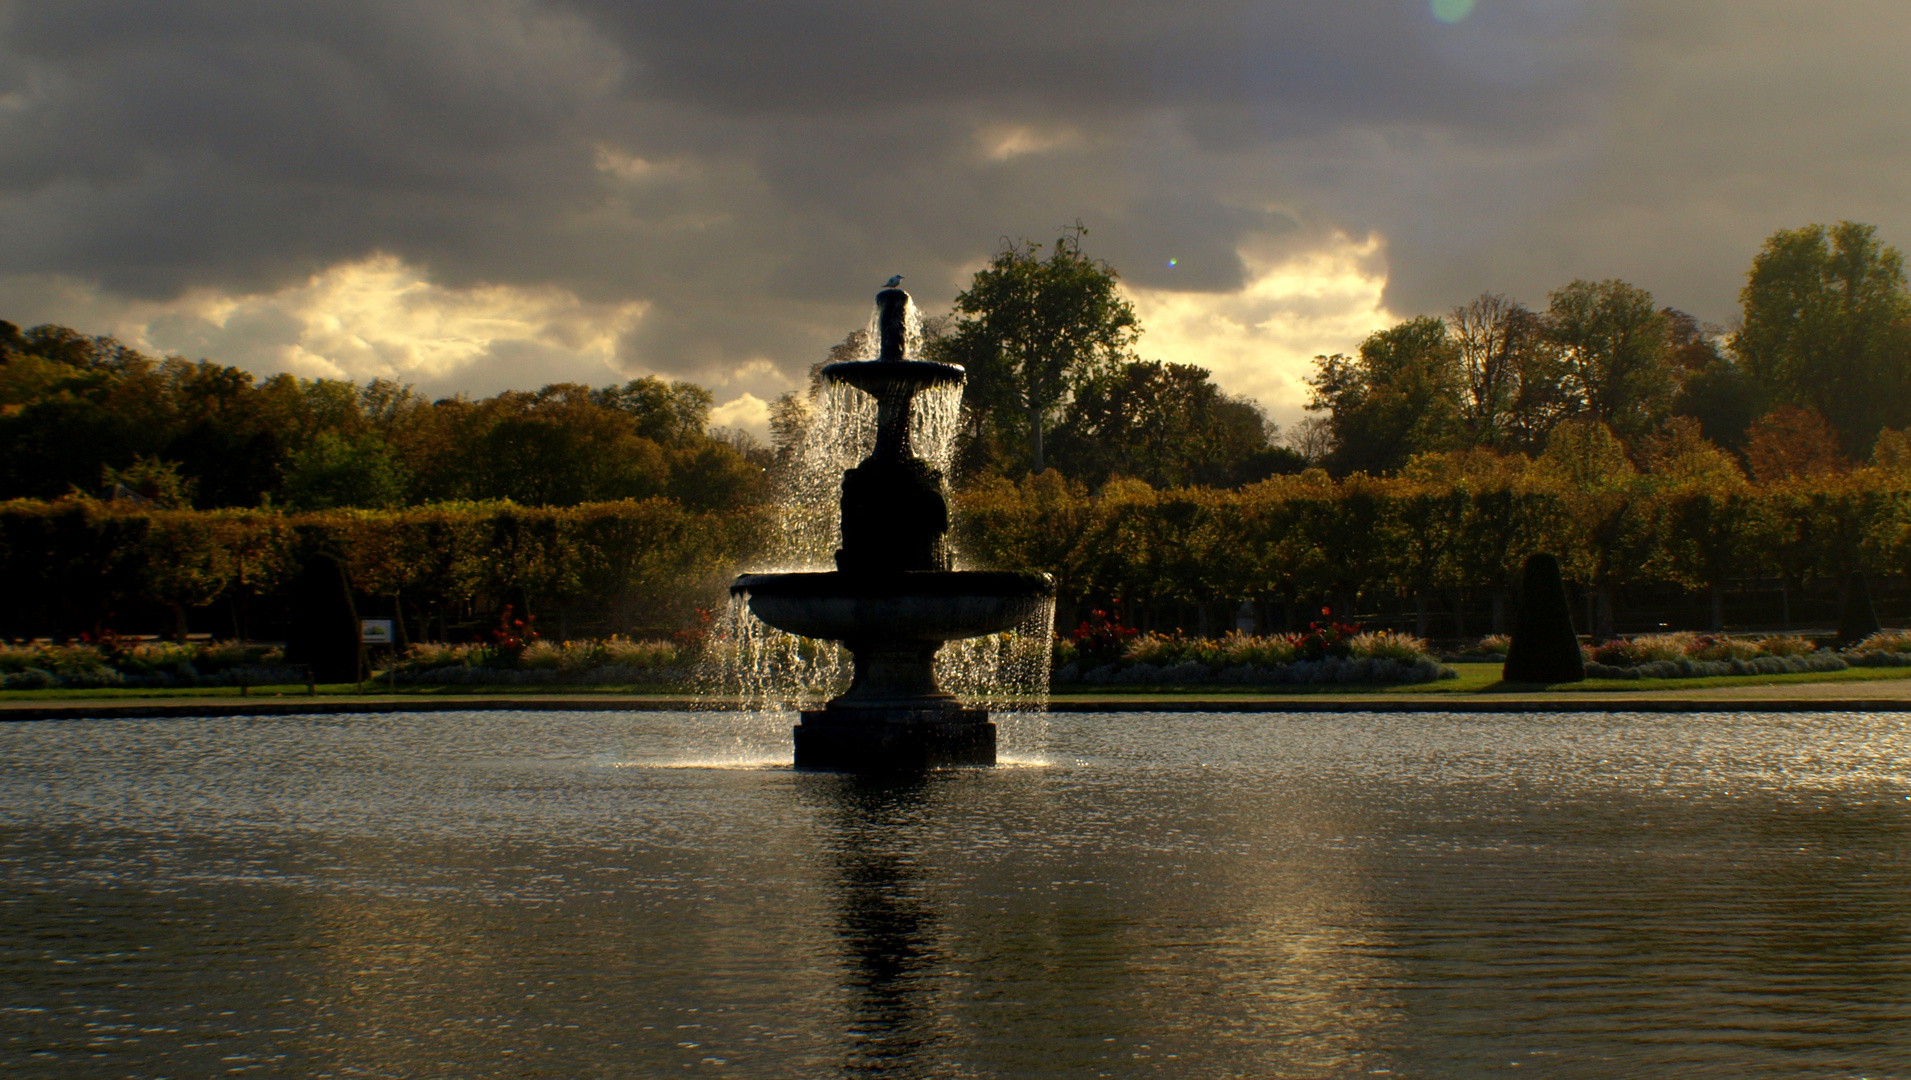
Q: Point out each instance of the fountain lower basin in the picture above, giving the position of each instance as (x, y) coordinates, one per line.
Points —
(924, 606)
(894, 715)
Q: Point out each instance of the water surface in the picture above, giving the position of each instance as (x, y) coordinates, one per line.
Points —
(612, 895)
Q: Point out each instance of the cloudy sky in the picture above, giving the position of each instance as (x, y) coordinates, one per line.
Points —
(480, 194)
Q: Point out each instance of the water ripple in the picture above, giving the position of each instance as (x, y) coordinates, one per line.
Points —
(495, 894)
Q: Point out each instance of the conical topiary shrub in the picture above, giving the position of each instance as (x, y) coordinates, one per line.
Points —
(1545, 649)
(324, 630)
(1857, 619)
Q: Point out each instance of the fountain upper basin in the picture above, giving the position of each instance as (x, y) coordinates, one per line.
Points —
(878, 377)
(928, 606)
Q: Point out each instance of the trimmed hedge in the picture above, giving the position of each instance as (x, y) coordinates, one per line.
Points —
(74, 565)
(78, 565)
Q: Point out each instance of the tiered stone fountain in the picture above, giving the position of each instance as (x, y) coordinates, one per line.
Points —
(893, 600)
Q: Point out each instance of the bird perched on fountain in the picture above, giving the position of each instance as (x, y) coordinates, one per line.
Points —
(893, 282)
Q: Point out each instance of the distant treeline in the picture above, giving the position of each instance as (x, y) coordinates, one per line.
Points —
(1818, 366)
(91, 415)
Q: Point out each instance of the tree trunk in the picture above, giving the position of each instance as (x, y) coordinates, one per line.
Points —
(179, 622)
(1718, 608)
(1499, 611)
(1785, 604)
(1459, 614)
(1420, 613)
(1035, 439)
(1603, 620)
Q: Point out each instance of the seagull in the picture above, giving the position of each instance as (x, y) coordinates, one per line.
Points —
(893, 282)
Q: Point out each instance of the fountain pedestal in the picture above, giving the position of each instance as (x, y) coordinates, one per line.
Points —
(894, 715)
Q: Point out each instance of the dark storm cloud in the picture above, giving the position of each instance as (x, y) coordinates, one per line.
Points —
(751, 169)
(164, 144)
(1311, 64)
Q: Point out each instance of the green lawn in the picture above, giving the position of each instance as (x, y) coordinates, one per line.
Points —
(1485, 679)
(1869, 674)
(1474, 679)
(332, 690)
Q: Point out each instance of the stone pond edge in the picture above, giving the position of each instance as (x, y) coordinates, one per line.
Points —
(1629, 703)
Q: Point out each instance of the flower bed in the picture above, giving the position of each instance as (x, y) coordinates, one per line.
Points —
(1686, 655)
(1333, 653)
(1490, 649)
(1886, 648)
(113, 663)
(543, 663)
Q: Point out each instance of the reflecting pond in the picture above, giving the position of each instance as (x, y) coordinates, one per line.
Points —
(611, 895)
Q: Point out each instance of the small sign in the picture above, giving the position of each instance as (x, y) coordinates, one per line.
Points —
(375, 631)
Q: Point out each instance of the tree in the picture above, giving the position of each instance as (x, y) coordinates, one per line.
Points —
(1610, 538)
(1702, 510)
(556, 448)
(1791, 443)
(1313, 438)
(1714, 390)
(669, 414)
(1724, 400)
(343, 470)
(1681, 454)
(1585, 456)
(1616, 351)
(1891, 453)
(1167, 424)
(1826, 324)
(1510, 392)
(1044, 523)
(1400, 397)
(1032, 331)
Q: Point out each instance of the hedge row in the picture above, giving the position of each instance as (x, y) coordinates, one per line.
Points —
(79, 565)
(644, 567)
(1312, 537)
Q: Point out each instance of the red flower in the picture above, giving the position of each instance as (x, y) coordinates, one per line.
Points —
(1101, 640)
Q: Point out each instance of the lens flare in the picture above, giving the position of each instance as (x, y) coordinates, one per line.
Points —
(1452, 11)
(1172, 263)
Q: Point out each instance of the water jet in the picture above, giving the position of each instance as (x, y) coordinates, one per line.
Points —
(894, 598)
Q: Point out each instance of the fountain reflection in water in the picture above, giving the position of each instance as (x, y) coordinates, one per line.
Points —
(773, 672)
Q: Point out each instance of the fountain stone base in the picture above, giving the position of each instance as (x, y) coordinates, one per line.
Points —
(894, 740)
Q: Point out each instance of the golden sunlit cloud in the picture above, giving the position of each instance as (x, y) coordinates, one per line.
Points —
(1260, 341)
(746, 413)
(1000, 142)
(609, 159)
(377, 317)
